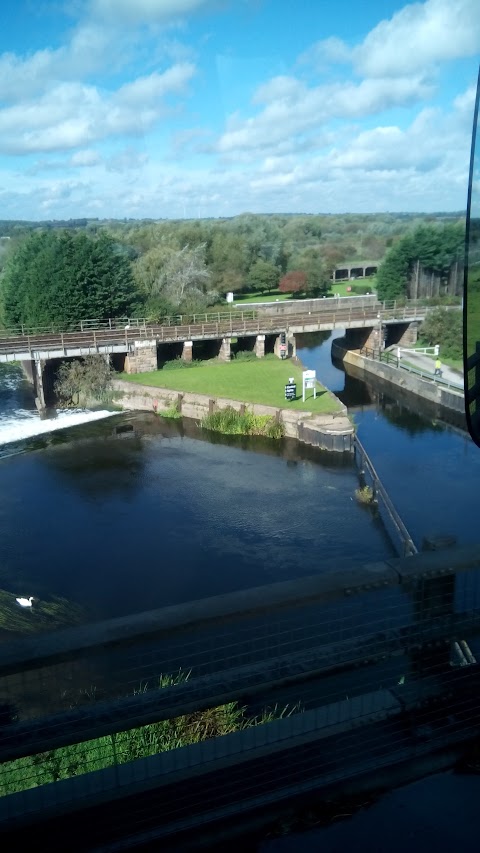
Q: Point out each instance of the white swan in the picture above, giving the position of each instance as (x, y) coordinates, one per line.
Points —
(25, 602)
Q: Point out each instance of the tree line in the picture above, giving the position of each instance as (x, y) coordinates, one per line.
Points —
(55, 276)
(425, 253)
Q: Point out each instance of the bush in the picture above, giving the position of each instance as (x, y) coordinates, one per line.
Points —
(245, 355)
(173, 412)
(80, 381)
(230, 422)
(361, 289)
(444, 327)
(364, 495)
(179, 362)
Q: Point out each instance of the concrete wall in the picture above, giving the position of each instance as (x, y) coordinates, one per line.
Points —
(303, 306)
(329, 432)
(430, 391)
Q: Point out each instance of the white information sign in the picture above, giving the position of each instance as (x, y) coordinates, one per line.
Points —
(309, 380)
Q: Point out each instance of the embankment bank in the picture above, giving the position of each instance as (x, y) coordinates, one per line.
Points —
(445, 398)
(327, 431)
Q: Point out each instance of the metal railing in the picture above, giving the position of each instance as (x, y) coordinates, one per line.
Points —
(366, 649)
(399, 308)
(381, 496)
(394, 361)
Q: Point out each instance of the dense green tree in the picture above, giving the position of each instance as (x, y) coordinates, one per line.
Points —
(174, 280)
(393, 275)
(311, 262)
(226, 257)
(435, 248)
(57, 278)
(263, 276)
(444, 326)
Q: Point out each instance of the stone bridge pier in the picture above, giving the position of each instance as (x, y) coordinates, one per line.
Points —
(34, 371)
(142, 358)
(290, 344)
(382, 335)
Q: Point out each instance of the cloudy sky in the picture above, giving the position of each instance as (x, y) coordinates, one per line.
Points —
(173, 108)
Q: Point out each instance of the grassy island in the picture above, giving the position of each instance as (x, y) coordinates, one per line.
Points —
(261, 381)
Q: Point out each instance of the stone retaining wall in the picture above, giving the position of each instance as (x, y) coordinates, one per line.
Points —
(431, 391)
(329, 432)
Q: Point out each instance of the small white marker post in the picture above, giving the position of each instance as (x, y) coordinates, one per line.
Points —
(309, 380)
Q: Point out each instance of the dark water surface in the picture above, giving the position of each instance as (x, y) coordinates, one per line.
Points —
(430, 469)
(153, 516)
(123, 523)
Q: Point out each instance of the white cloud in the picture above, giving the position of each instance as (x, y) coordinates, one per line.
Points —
(127, 160)
(144, 10)
(295, 109)
(87, 157)
(419, 36)
(84, 54)
(71, 114)
(146, 89)
(325, 52)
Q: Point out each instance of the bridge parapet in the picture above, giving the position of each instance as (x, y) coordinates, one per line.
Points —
(356, 646)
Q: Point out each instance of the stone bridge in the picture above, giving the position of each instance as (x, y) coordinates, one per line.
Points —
(354, 270)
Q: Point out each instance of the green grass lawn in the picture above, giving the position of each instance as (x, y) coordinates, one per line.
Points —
(271, 296)
(341, 286)
(261, 381)
(275, 295)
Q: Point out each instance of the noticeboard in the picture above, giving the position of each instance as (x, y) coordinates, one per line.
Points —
(291, 391)
(309, 380)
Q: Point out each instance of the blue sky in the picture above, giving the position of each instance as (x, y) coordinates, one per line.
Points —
(173, 108)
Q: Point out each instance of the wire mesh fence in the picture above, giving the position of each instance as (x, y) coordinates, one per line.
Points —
(275, 683)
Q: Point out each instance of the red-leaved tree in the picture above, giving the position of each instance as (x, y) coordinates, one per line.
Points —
(293, 282)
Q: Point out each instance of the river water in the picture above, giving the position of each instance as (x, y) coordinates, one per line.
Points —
(121, 521)
(120, 513)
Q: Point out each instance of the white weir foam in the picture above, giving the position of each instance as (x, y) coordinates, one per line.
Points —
(29, 424)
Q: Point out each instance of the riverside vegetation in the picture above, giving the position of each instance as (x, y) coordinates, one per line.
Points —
(230, 422)
(122, 747)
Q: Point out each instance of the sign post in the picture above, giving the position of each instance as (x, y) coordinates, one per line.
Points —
(309, 380)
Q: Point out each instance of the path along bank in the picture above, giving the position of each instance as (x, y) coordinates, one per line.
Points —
(421, 386)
